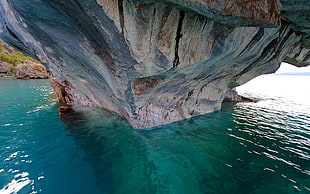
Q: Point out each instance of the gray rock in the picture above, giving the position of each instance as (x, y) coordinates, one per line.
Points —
(156, 62)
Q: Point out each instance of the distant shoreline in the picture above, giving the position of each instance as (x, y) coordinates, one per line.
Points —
(294, 73)
(5, 75)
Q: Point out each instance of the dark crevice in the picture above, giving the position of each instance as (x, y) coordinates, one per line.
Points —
(205, 24)
(190, 93)
(121, 14)
(297, 54)
(12, 33)
(269, 48)
(176, 60)
(16, 38)
(307, 58)
(258, 36)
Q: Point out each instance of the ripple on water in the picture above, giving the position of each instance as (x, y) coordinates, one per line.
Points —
(16, 184)
(244, 148)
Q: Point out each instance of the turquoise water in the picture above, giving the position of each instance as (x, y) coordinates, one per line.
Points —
(259, 147)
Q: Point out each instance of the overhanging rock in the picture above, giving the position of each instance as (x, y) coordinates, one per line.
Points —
(156, 62)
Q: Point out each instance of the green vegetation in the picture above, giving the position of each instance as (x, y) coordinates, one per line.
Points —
(12, 56)
(39, 68)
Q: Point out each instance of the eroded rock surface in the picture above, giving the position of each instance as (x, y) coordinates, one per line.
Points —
(156, 62)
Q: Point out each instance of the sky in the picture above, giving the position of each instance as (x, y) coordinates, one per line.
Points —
(288, 68)
(291, 86)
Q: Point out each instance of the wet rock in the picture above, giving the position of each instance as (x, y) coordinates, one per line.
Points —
(63, 90)
(69, 115)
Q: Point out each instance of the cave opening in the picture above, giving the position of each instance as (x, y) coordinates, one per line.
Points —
(287, 82)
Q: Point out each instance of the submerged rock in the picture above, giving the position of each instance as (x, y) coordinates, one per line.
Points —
(156, 62)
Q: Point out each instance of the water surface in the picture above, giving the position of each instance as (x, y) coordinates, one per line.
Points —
(259, 147)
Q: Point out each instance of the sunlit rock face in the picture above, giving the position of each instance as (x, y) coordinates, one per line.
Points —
(156, 62)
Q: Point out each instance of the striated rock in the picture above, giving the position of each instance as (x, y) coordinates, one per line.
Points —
(5, 67)
(31, 70)
(156, 62)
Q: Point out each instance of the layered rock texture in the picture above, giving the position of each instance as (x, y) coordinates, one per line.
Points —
(156, 62)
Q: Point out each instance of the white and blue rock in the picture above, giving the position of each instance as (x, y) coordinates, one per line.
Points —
(155, 62)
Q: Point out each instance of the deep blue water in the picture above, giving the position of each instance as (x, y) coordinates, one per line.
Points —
(259, 147)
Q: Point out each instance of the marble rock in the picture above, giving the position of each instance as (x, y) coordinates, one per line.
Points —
(157, 62)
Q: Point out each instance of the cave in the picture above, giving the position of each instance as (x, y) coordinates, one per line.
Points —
(152, 62)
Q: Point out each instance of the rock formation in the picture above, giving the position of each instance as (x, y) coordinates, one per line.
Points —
(232, 95)
(31, 70)
(5, 67)
(156, 62)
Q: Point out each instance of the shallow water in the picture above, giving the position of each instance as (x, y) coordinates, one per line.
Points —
(259, 147)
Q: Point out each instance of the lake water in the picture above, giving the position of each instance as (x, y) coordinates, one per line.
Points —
(259, 147)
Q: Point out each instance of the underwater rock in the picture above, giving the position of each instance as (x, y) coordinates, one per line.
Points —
(156, 62)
